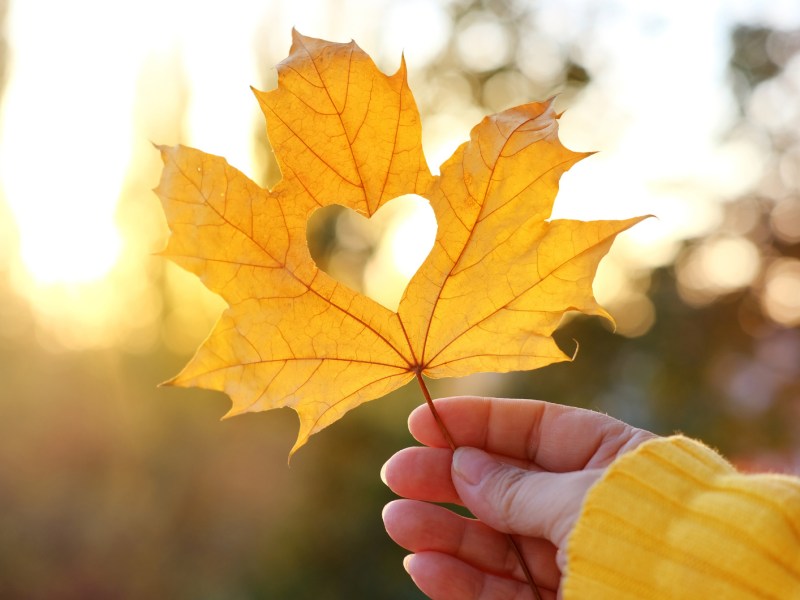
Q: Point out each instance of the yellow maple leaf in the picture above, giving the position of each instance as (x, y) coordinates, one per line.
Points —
(487, 298)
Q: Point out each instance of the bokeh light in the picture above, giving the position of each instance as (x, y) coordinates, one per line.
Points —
(483, 43)
(781, 296)
(718, 266)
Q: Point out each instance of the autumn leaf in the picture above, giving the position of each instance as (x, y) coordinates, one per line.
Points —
(488, 297)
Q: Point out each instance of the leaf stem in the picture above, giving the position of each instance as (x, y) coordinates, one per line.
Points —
(449, 438)
(435, 413)
(525, 569)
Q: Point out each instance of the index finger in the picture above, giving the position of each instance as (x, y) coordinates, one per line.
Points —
(554, 437)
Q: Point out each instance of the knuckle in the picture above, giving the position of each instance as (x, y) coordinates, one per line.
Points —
(506, 495)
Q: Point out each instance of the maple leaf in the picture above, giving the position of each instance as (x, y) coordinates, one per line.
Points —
(488, 297)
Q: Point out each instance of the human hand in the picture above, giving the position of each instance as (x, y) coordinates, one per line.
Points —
(523, 467)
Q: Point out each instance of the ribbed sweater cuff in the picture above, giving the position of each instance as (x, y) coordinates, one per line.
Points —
(673, 519)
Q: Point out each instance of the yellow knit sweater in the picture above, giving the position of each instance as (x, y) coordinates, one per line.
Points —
(672, 519)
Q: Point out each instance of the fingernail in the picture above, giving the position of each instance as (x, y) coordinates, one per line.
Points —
(383, 473)
(470, 464)
(407, 562)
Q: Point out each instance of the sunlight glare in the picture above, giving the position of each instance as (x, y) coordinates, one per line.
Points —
(76, 158)
(67, 138)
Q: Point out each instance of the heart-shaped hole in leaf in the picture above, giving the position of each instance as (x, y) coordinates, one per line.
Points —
(377, 256)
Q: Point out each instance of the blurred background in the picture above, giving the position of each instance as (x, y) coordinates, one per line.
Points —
(113, 488)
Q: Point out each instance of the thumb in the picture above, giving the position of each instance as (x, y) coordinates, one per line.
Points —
(514, 500)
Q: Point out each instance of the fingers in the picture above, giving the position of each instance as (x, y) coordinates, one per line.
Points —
(554, 437)
(420, 526)
(506, 497)
(549, 456)
(518, 501)
(442, 577)
(421, 473)
(430, 529)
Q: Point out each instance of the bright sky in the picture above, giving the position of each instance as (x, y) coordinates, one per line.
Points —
(73, 116)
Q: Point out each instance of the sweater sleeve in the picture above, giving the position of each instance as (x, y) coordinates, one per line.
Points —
(673, 519)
